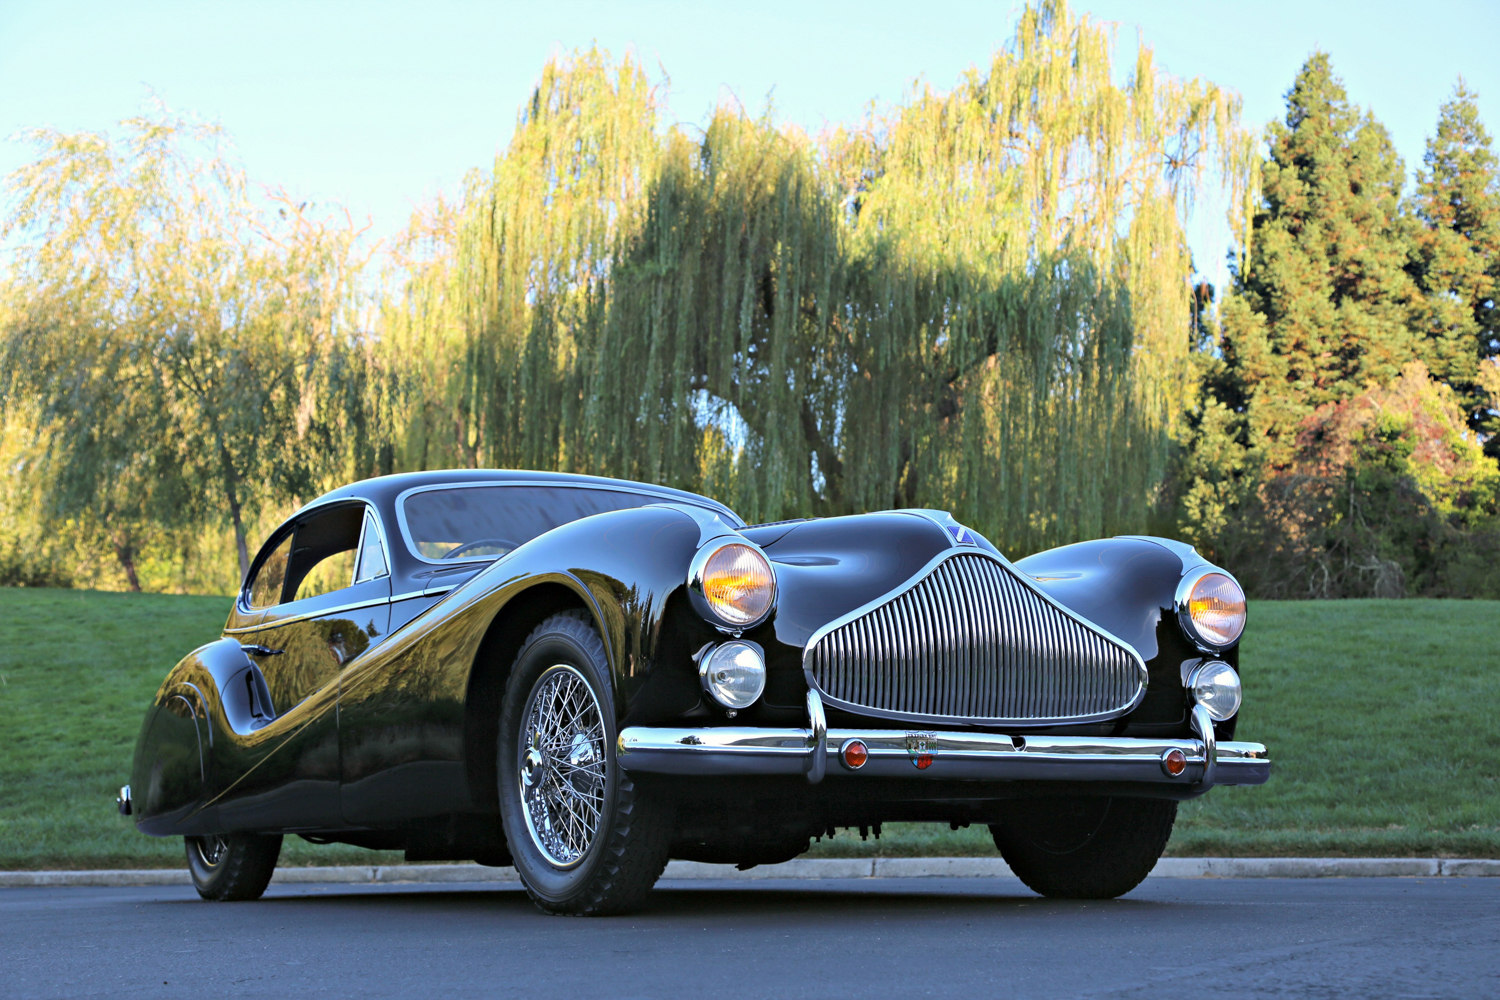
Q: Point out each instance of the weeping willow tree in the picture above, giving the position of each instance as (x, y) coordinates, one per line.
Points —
(978, 300)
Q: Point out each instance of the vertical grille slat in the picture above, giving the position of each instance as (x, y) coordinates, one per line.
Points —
(971, 642)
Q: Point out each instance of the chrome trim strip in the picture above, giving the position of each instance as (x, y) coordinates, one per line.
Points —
(400, 504)
(817, 738)
(933, 616)
(320, 613)
(731, 750)
(410, 594)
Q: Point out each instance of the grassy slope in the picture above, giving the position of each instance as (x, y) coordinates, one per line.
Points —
(1377, 714)
(77, 670)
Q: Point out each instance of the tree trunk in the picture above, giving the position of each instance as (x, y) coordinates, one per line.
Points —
(125, 552)
(232, 494)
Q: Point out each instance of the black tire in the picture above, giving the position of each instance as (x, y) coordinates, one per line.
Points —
(611, 869)
(1084, 848)
(232, 867)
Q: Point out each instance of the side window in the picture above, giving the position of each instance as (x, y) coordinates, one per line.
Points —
(371, 565)
(265, 589)
(323, 551)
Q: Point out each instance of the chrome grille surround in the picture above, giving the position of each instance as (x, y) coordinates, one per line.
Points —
(969, 640)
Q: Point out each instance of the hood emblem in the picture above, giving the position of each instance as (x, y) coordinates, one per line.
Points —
(921, 748)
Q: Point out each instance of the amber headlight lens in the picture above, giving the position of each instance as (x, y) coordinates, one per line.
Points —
(1215, 609)
(737, 584)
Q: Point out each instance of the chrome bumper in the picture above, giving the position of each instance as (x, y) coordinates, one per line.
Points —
(817, 750)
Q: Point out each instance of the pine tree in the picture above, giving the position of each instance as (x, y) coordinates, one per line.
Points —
(1324, 303)
(1458, 264)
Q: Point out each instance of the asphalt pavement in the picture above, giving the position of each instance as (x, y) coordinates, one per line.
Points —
(866, 938)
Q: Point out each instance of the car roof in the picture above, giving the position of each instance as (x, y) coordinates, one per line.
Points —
(383, 490)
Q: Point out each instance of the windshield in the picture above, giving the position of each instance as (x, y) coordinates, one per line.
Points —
(485, 522)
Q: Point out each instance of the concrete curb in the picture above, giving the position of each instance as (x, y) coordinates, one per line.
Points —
(806, 868)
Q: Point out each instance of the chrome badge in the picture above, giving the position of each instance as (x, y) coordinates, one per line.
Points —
(921, 748)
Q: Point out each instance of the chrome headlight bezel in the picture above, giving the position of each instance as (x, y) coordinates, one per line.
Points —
(1185, 621)
(700, 601)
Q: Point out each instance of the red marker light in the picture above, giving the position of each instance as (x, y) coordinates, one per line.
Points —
(1174, 762)
(855, 755)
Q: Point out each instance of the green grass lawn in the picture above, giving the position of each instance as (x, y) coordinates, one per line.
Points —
(1378, 715)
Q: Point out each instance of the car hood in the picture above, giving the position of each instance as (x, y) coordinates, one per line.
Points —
(828, 567)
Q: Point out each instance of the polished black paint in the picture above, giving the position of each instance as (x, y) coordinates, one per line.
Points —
(376, 724)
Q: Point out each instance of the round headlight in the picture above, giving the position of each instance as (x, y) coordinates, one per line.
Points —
(1211, 608)
(1216, 687)
(735, 582)
(733, 674)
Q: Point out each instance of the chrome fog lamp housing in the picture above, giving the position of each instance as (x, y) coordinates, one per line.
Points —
(731, 584)
(1216, 686)
(734, 674)
(1211, 609)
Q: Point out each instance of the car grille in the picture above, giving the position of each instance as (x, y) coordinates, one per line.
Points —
(971, 643)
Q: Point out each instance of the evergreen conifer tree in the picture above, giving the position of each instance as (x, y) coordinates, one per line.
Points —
(1324, 303)
(1457, 266)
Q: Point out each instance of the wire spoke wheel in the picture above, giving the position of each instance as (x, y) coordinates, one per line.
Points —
(563, 766)
(211, 849)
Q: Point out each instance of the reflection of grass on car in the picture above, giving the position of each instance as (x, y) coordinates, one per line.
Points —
(1377, 713)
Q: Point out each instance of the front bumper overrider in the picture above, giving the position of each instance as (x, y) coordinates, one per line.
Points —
(966, 756)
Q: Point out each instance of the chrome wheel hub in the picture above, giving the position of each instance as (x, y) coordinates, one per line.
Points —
(562, 766)
(212, 850)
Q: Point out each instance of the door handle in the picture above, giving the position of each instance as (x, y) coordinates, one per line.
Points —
(258, 650)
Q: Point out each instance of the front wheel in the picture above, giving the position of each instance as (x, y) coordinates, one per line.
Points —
(1084, 848)
(232, 866)
(585, 840)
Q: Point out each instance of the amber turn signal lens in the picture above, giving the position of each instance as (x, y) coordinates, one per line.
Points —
(855, 755)
(738, 584)
(1217, 609)
(1174, 762)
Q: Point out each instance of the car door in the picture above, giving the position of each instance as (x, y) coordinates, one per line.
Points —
(331, 605)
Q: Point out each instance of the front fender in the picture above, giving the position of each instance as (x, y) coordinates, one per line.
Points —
(1128, 585)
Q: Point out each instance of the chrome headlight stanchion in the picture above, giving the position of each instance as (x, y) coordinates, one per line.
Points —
(817, 737)
(1203, 724)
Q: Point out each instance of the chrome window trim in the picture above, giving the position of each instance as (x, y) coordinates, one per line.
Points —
(1184, 616)
(385, 552)
(610, 487)
(242, 602)
(953, 551)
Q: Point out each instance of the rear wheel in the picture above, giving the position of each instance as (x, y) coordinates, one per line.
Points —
(232, 866)
(1084, 848)
(585, 840)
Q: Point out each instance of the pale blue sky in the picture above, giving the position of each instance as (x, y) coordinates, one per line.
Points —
(381, 105)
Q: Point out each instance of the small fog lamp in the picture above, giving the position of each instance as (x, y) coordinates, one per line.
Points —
(855, 753)
(734, 674)
(1216, 687)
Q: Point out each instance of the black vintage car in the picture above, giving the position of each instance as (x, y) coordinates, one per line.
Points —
(586, 677)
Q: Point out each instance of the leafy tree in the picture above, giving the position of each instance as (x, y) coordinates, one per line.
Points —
(170, 339)
(973, 301)
(1323, 303)
(1457, 200)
